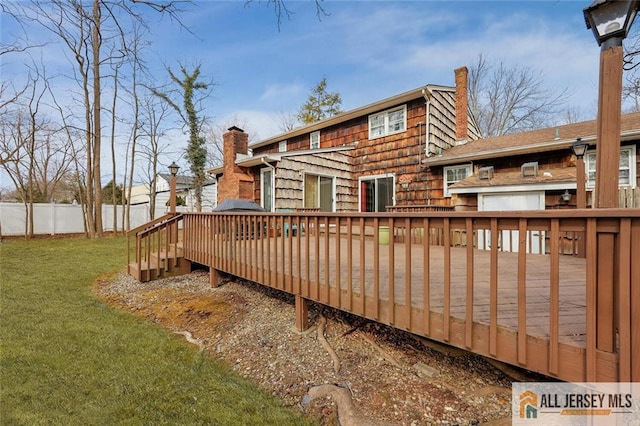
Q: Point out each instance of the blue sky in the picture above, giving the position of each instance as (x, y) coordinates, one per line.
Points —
(367, 50)
(370, 50)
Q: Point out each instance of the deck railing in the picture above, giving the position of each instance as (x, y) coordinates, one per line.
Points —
(156, 245)
(569, 317)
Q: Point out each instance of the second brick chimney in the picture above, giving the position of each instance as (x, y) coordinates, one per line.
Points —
(235, 183)
(462, 103)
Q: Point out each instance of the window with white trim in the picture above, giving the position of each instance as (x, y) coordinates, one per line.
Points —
(627, 169)
(314, 140)
(388, 122)
(454, 174)
(282, 146)
(319, 192)
(267, 194)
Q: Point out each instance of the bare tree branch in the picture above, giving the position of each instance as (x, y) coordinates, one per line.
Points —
(506, 99)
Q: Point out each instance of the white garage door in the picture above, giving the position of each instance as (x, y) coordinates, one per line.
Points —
(508, 240)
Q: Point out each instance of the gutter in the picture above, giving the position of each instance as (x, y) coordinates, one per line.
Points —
(355, 113)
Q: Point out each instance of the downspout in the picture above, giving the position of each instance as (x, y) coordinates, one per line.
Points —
(426, 93)
(273, 181)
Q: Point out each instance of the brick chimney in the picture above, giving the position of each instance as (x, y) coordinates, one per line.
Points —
(235, 183)
(462, 104)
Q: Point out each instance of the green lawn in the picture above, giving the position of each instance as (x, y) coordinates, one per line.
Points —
(67, 358)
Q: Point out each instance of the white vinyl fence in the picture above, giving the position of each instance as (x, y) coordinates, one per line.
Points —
(54, 219)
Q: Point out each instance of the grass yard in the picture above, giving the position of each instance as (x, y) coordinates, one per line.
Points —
(67, 358)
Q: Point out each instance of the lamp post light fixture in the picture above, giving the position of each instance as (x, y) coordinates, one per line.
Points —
(610, 21)
(579, 149)
(173, 169)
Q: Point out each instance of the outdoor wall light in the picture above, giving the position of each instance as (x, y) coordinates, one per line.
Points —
(404, 181)
(579, 148)
(610, 19)
(173, 168)
(566, 197)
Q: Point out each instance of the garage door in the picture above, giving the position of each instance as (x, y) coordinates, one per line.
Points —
(508, 240)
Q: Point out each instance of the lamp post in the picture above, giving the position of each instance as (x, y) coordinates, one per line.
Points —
(579, 149)
(173, 169)
(610, 22)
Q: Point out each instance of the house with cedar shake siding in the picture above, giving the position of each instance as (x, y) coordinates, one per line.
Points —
(368, 159)
(533, 170)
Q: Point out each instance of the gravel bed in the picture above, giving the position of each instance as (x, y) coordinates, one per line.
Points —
(392, 377)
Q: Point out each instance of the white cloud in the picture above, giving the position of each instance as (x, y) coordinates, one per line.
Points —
(258, 124)
(279, 91)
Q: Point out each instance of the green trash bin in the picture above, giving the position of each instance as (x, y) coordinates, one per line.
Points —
(383, 235)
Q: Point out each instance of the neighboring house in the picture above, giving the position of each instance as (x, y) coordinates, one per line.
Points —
(184, 190)
(528, 171)
(364, 160)
(140, 194)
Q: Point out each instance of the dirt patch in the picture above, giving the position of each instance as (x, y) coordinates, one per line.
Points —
(376, 374)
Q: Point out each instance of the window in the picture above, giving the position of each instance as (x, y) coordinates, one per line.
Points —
(267, 193)
(388, 122)
(282, 146)
(318, 192)
(376, 193)
(454, 174)
(627, 176)
(314, 140)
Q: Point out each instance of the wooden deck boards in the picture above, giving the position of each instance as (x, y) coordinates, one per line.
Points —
(316, 269)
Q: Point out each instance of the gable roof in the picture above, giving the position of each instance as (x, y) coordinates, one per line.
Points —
(358, 112)
(549, 139)
(185, 182)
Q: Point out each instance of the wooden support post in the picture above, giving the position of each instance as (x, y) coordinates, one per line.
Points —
(608, 128)
(606, 277)
(581, 195)
(302, 314)
(214, 278)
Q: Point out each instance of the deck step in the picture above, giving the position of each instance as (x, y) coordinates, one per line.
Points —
(150, 270)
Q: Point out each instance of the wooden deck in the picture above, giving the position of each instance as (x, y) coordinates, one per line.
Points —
(576, 318)
(320, 277)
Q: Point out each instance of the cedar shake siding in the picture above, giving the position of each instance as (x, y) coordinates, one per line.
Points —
(550, 148)
(396, 154)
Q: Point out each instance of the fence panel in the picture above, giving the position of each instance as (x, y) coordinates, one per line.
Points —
(54, 219)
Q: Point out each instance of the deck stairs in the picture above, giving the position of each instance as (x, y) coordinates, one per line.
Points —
(160, 265)
(158, 250)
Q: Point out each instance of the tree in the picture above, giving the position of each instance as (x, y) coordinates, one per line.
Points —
(288, 121)
(113, 192)
(506, 99)
(320, 104)
(95, 33)
(214, 134)
(631, 76)
(191, 118)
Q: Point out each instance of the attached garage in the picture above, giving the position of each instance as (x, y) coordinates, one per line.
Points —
(511, 191)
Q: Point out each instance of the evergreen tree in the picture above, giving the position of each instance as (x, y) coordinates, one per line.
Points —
(320, 104)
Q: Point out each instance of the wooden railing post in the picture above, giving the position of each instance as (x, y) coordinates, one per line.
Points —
(606, 275)
(302, 314)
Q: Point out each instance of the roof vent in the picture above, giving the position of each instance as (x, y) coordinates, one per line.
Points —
(529, 169)
(485, 173)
